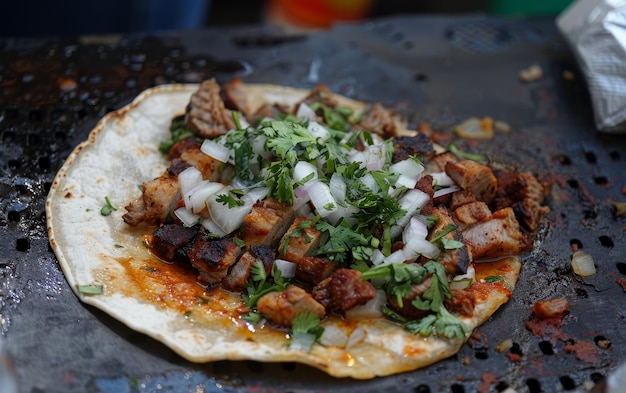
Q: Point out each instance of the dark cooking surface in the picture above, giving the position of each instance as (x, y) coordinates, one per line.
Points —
(439, 70)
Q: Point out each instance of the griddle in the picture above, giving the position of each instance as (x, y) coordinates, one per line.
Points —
(433, 69)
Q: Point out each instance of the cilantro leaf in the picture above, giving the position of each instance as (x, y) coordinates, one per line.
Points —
(306, 330)
(108, 208)
(229, 199)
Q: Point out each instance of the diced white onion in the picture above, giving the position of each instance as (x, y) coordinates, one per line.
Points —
(187, 217)
(405, 181)
(188, 179)
(398, 256)
(334, 337)
(213, 228)
(378, 257)
(442, 179)
(369, 182)
(356, 337)
(582, 264)
(318, 131)
(215, 150)
(243, 122)
(302, 342)
(408, 167)
(256, 194)
(287, 268)
(415, 229)
(304, 169)
(446, 191)
(195, 199)
(463, 281)
(306, 112)
(258, 147)
(412, 201)
(322, 199)
(337, 187)
(417, 246)
(345, 212)
(375, 157)
(369, 310)
(227, 218)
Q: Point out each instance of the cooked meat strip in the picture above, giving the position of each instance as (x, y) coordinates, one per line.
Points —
(406, 146)
(267, 223)
(176, 167)
(169, 238)
(462, 302)
(234, 96)
(471, 213)
(460, 198)
(240, 271)
(159, 198)
(343, 290)
(282, 307)
(180, 146)
(524, 193)
(425, 183)
(206, 114)
(378, 119)
(267, 110)
(406, 309)
(439, 161)
(322, 94)
(551, 308)
(314, 269)
(207, 165)
(213, 257)
(300, 240)
(498, 237)
(478, 178)
(455, 260)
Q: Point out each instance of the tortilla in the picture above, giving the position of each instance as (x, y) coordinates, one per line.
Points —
(164, 301)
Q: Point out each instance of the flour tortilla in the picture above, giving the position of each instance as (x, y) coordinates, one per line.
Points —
(164, 301)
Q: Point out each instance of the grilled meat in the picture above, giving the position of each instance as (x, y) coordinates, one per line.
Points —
(213, 257)
(425, 183)
(170, 238)
(206, 115)
(455, 260)
(267, 223)
(343, 290)
(471, 213)
(478, 178)
(439, 161)
(314, 269)
(524, 193)
(234, 96)
(322, 94)
(461, 302)
(498, 237)
(406, 146)
(282, 307)
(377, 118)
(158, 199)
(241, 270)
(461, 198)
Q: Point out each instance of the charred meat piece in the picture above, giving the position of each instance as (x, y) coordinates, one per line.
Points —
(478, 178)
(181, 146)
(206, 115)
(551, 308)
(159, 197)
(314, 269)
(524, 193)
(213, 257)
(322, 94)
(343, 290)
(282, 307)
(455, 260)
(471, 213)
(439, 161)
(407, 146)
(207, 165)
(425, 184)
(240, 271)
(378, 119)
(267, 223)
(405, 308)
(234, 96)
(300, 240)
(176, 167)
(498, 237)
(170, 238)
(461, 198)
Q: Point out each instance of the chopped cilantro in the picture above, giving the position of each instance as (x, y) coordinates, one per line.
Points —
(177, 132)
(229, 199)
(306, 330)
(468, 156)
(108, 208)
(91, 289)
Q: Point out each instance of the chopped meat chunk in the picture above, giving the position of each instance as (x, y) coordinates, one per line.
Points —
(282, 307)
(169, 238)
(552, 308)
(455, 260)
(322, 94)
(234, 96)
(241, 270)
(159, 198)
(380, 120)
(497, 237)
(461, 302)
(213, 257)
(425, 184)
(439, 161)
(207, 165)
(524, 193)
(206, 114)
(300, 240)
(406, 146)
(176, 167)
(343, 290)
(267, 223)
(478, 178)
(181, 146)
(471, 213)
(461, 198)
(314, 269)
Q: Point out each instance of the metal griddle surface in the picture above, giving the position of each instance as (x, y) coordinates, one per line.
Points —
(433, 69)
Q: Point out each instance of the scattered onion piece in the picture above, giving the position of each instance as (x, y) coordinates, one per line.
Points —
(215, 150)
(187, 217)
(582, 264)
(287, 269)
(475, 128)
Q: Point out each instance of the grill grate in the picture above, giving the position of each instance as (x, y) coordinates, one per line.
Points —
(53, 91)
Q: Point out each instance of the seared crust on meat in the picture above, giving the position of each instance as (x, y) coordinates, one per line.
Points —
(169, 238)
(282, 307)
(498, 237)
(406, 146)
(524, 193)
(158, 198)
(376, 119)
(456, 260)
(343, 290)
(267, 223)
(475, 177)
(241, 270)
(206, 114)
(213, 257)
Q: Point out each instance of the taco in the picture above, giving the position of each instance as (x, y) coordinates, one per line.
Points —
(270, 223)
